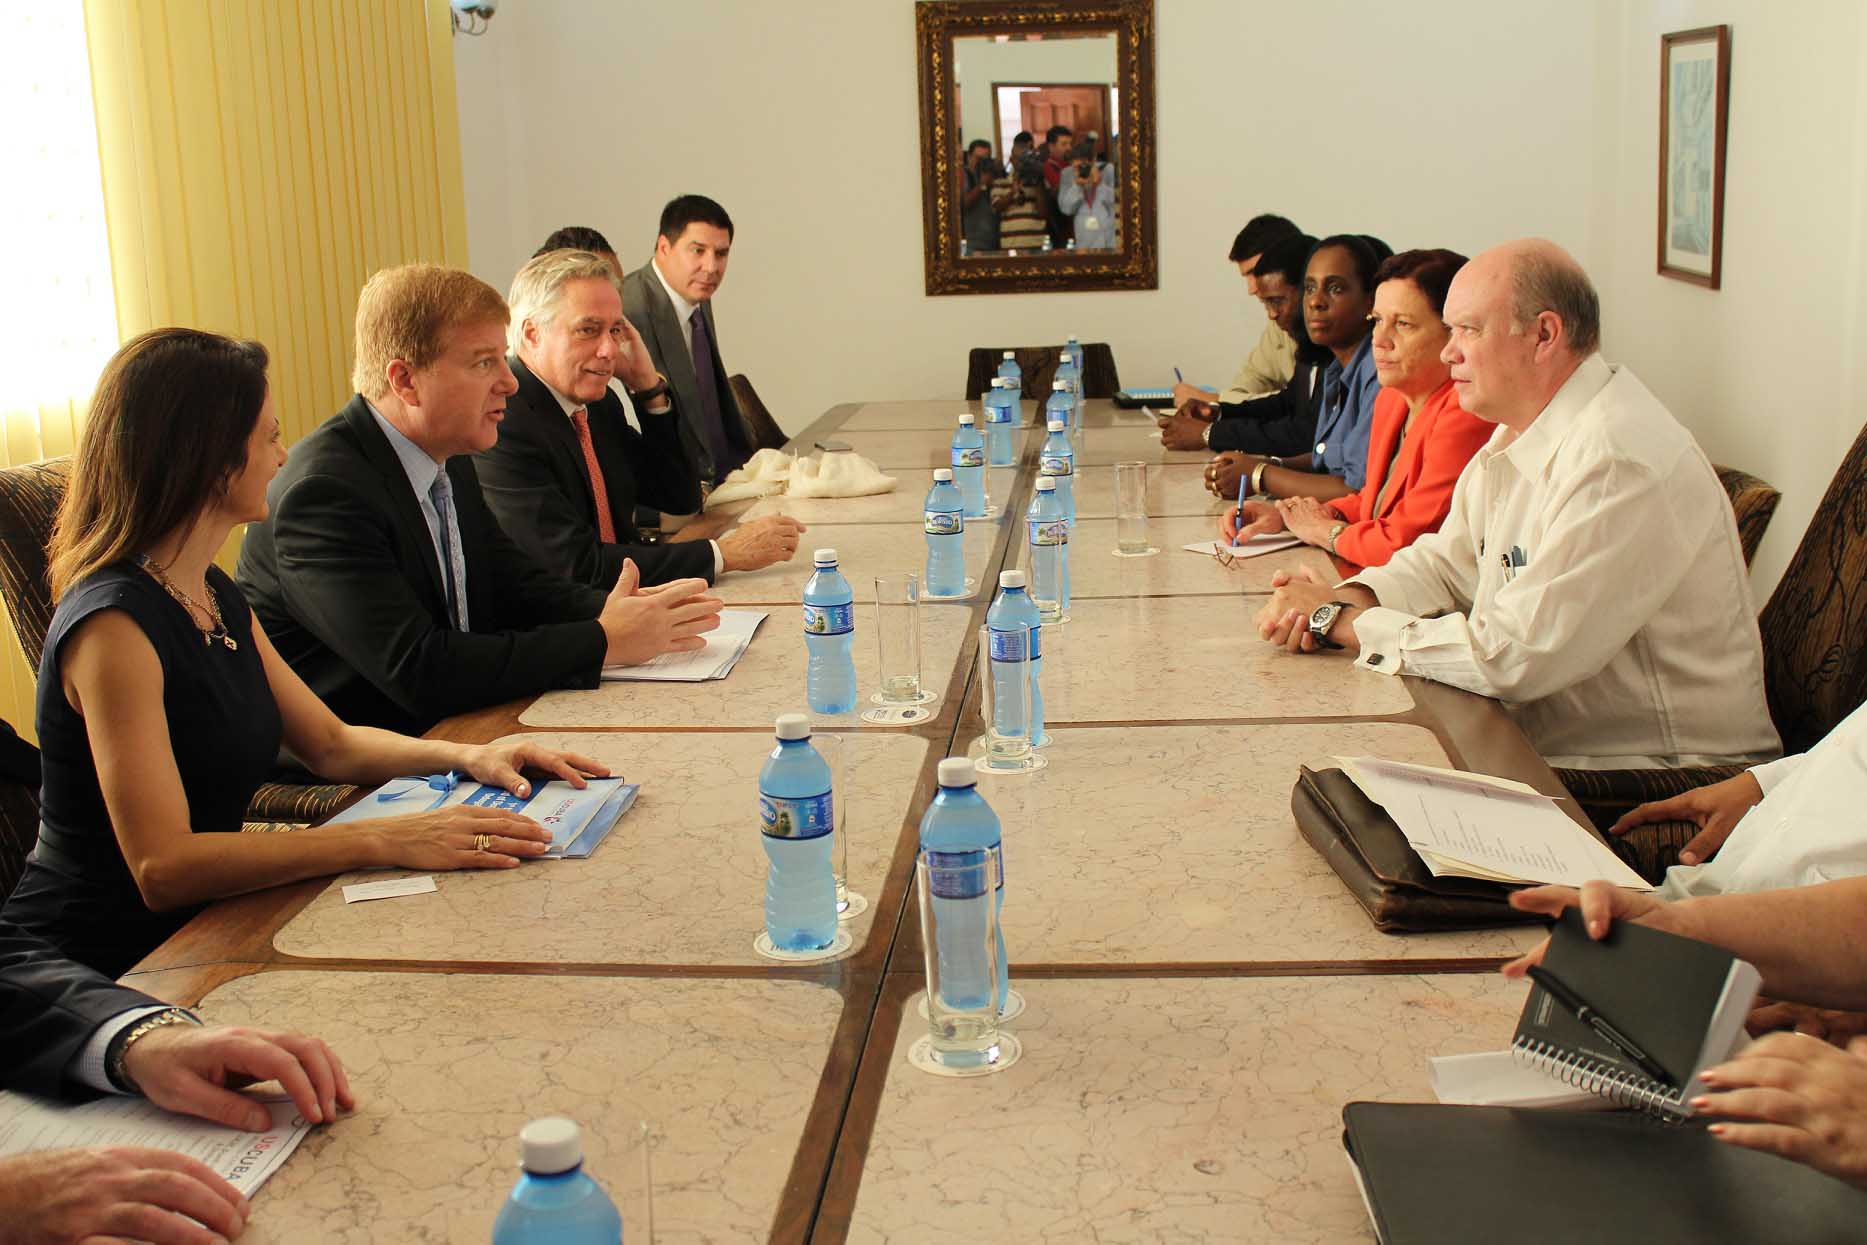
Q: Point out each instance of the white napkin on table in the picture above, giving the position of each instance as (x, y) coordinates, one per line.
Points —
(840, 474)
(763, 474)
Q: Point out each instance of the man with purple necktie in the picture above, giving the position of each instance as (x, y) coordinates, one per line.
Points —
(669, 300)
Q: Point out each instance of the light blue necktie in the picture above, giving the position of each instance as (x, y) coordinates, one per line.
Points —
(453, 565)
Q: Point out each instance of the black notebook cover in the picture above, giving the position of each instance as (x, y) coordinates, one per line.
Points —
(1484, 1175)
(1658, 989)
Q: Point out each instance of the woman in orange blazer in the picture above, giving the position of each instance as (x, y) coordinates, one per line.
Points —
(1420, 439)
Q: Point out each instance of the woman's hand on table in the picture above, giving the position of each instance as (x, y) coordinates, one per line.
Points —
(500, 765)
(1308, 520)
(1796, 1097)
(1224, 473)
(1261, 518)
(460, 836)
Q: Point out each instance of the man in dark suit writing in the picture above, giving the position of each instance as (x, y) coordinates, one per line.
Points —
(66, 1031)
(380, 573)
(568, 471)
(670, 299)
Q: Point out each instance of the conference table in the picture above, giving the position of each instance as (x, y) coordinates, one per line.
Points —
(1202, 994)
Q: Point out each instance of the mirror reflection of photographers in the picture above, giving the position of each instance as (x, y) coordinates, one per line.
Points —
(1019, 199)
(1086, 194)
(978, 222)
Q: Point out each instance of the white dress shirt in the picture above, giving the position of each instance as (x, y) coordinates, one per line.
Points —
(1808, 828)
(1589, 576)
(683, 312)
(719, 559)
(421, 471)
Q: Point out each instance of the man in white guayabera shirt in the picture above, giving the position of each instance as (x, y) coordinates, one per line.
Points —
(1589, 575)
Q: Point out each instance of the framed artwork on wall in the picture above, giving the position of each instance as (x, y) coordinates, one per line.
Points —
(1695, 96)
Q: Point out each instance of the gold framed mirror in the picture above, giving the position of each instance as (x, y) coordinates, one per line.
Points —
(1037, 134)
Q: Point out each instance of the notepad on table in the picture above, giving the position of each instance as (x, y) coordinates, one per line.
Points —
(1255, 547)
(726, 644)
(1470, 825)
(578, 819)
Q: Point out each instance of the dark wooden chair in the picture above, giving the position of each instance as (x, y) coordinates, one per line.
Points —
(1040, 368)
(765, 429)
(1753, 503)
(1814, 660)
(29, 499)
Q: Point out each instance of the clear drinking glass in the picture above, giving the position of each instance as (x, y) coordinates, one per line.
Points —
(1131, 510)
(835, 752)
(898, 640)
(959, 938)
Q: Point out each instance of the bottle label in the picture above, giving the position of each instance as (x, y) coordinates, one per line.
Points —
(1012, 645)
(958, 875)
(829, 619)
(1056, 465)
(969, 457)
(945, 523)
(1050, 531)
(801, 817)
(997, 414)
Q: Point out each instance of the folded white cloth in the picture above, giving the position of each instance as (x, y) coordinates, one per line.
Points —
(763, 474)
(842, 473)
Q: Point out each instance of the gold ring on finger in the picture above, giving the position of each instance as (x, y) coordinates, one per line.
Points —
(482, 842)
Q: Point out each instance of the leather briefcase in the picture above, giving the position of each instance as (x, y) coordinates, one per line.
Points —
(1381, 869)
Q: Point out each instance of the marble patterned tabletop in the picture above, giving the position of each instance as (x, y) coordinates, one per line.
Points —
(1165, 1110)
(906, 504)
(768, 681)
(896, 450)
(1172, 489)
(1096, 570)
(681, 880)
(1104, 447)
(863, 550)
(1167, 659)
(922, 413)
(447, 1068)
(1175, 844)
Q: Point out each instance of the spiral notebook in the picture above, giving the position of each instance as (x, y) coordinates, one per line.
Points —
(1679, 1002)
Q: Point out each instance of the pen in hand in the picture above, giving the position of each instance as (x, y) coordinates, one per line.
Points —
(1239, 522)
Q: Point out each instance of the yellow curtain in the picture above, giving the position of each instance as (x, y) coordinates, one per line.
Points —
(260, 160)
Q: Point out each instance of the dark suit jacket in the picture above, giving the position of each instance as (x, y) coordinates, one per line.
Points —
(344, 575)
(534, 480)
(49, 1007)
(649, 310)
(1282, 423)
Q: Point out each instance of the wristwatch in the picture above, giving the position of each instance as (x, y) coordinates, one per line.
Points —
(1334, 532)
(1322, 620)
(656, 390)
(1205, 435)
(114, 1065)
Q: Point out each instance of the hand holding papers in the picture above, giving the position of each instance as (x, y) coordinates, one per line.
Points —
(724, 647)
(578, 820)
(1468, 825)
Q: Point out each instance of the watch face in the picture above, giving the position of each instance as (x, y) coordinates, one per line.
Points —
(1323, 617)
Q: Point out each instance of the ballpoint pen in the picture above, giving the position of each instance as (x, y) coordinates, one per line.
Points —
(1243, 478)
(1599, 1023)
(1178, 377)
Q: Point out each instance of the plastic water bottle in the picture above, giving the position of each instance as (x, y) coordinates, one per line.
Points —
(1008, 369)
(1076, 353)
(1057, 460)
(1067, 371)
(969, 467)
(829, 634)
(1000, 418)
(796, 821)
(1011, 660)
(958, 824)
(555, 1201)
(1050, 551)
(946, 540)
(1061, 404)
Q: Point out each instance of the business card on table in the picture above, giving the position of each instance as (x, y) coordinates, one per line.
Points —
(394, 888)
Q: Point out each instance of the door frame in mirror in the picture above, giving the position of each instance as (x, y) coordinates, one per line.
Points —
(1136, 265)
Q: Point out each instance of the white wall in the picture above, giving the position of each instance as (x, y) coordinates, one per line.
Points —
(1767, 371)
(801, 118)
(978, 63)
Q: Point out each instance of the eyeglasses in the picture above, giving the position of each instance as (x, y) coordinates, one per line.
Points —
(442, 784)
